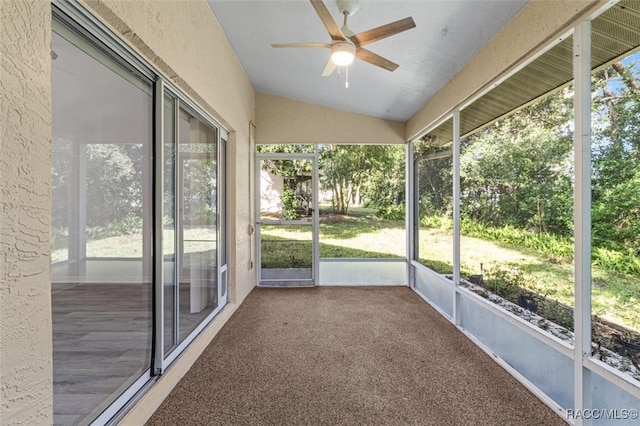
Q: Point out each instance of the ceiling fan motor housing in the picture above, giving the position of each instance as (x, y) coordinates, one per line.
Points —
(348, 7)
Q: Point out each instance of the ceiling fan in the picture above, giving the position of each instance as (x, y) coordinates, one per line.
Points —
(345, 45)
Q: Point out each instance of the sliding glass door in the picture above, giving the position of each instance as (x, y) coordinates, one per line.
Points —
(139, 257)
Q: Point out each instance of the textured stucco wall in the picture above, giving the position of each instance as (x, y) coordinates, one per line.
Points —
(185, 42)
(25, 180)
(538, 23)
(282, 120)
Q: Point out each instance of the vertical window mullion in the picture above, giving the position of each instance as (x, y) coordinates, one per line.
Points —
(177, 221)
(158, 197)
(456, 215)
(582, 211)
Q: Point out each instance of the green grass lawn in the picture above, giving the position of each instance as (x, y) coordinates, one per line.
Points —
(615, 296)
(198, 239)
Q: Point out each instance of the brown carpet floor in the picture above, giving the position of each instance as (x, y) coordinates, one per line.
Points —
(346, 356)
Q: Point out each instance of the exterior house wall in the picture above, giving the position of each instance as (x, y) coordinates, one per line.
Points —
(282, 121)
(270, 192)
(26, 383)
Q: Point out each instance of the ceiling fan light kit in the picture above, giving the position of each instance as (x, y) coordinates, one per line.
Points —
(342, 53)
(345, 45)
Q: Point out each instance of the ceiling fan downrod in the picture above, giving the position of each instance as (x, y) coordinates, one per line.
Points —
(347, 8)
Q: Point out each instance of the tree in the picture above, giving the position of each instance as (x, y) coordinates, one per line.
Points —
(434, 179)
(518, 172)
(347, 168)
(384, 186)
(616, 157)
(114, 183)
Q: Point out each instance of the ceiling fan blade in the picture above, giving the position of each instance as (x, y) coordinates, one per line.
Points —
(384, 31)
(325, 45)
(327, 19)
(377, 60)
(328, 70)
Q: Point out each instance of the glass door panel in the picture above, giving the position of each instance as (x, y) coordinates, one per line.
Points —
(288, 220)
(101, 292)
(222, 219)
(169, 225)
(197, 234)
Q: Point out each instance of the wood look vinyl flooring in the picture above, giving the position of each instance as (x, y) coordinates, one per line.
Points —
(102, 339)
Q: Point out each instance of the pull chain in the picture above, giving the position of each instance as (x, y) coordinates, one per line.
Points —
(346, 75)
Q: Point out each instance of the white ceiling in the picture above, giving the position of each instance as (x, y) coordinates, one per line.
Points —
(447, 35)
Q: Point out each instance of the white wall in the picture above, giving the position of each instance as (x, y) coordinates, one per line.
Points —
(271, 192)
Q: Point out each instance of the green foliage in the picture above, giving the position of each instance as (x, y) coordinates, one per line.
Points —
(626, 262)
(437, 222)
(517, 175)
(384, 186)
(518, 172)
(543, 242)
(286, 148)
(560, 248)
(506, 281)
(391, 212)
(289, 203)
(127, 226)
(434, 182)
(556, 312)
(616, 159)
(114, 183)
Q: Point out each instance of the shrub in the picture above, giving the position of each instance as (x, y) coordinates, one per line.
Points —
(391, 212)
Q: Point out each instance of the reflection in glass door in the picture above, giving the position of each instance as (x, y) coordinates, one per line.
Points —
(191, 225)
(197, 231)
(101, 287)
(287, 225)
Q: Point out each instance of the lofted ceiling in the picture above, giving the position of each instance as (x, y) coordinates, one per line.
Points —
(447, 35)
